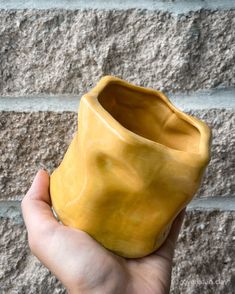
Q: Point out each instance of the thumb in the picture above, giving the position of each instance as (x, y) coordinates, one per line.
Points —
(39, 189)
(38, 217)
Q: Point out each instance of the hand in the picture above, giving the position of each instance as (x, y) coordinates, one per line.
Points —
(81, 263)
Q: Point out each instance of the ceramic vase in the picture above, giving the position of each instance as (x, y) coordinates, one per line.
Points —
(134, 163)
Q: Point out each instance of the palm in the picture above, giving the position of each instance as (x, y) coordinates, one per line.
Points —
(87, 264)
(84, 266)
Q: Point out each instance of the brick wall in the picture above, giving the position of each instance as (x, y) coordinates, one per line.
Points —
(50, 57)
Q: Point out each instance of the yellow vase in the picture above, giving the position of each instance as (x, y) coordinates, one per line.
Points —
(134, 163)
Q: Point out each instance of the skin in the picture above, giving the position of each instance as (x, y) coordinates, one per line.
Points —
(81, 263)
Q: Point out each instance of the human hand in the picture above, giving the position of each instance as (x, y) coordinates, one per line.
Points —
(81, 263)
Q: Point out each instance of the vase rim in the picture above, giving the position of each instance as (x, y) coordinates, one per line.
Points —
(91, 98)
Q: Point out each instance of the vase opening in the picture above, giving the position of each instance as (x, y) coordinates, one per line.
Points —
(149, 116)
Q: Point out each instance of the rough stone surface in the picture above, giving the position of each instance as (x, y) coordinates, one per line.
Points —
(219, 178)
(29, 141)
(204, 259)
(67, 51)
(20, 272)
(205, 255)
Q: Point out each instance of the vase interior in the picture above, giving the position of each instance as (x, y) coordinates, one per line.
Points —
(149, 116)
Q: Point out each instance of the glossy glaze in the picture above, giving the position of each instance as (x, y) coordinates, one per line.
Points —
(134, 163)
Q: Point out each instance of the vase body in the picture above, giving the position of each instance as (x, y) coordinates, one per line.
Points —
(134, 163)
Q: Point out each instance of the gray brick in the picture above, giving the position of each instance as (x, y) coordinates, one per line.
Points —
(67, 51)
(29, 141)
(205, 252)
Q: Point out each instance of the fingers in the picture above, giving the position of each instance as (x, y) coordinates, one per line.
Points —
(39, 219)
(175, 228)
(168, 247)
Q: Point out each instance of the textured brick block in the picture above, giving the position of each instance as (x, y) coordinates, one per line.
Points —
(205, 252)
(67, 51)
(205, 255)
(220, 175)
(29, 141)
(20, 272)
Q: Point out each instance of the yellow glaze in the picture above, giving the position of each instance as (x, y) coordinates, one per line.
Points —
(135, 162)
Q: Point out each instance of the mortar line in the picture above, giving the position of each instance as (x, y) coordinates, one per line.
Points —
(206, 99)
(177, 7)
(11, 208)
(223, 203)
